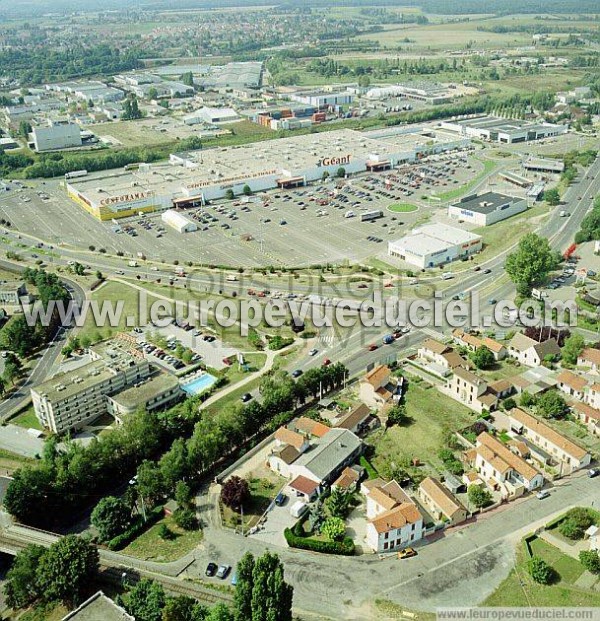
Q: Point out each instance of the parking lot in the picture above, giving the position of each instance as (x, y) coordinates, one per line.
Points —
(206, 347)
(324, 222)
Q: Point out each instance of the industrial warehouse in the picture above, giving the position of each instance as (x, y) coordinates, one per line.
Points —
(505, 131)
(435, 244)
(192, 178)
(485, 209)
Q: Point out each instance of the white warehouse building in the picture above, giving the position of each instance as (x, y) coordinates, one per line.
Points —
(178, 221)
(488, 208)
(435, 244)
(56, 135)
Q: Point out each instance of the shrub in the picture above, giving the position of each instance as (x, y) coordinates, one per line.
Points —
(136, 529)
(344, 547)
(540, 571)
(590, 560)
(186, 519)
(164, 532)
(576, 522)
(235, 492)
(334, 529)
(479, 497)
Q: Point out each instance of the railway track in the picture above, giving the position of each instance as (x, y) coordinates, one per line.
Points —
(117, 572)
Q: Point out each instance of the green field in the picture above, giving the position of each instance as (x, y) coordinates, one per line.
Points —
(402, 208)
(27, 419)
(431, 413)
(519, 589)
(150, 547)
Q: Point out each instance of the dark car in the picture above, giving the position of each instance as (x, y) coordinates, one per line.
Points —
(593, 472)
(297, 373)
(280, 499)
(246, 397)
(487, 271)
(211, 569)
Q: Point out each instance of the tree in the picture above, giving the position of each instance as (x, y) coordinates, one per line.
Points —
(229, 195)
(552, 197)
(540, 571)
(188, 79)
(146, 601)
(364, 81)
(25, 129)
(325, 175)
(550, 404)
(478, 496)
(181, 608)
(397, 415)
(340, 172)
(165, 533)
(242, 599)
(334, 528)
(235, 492)
(221, 612)
(531, 263)
(590, 560)
(572, 348)
(527, 399)
(338, 502)
(185, 518)
(183, 494)
(152, 93)
(271, 595)
(482, 357)
(150, 482)
(247, 190)
(67, 568)
(111, 516)
(21, 587)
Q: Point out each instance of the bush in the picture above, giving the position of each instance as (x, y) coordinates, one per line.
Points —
(590, 560)
(136, 529)
(186, 519)
(294, 540)
(540, 571)
(334, 529)
(165, 533)
(576, 522)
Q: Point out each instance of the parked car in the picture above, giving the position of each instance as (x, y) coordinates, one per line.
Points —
(297, 373)
(544, 493)
(223, 571)
(211, 569)
(246, 397)
(372, 347)
(280, 499)
(326, 362)
(313, 352)
(407, 553)
(593, 472)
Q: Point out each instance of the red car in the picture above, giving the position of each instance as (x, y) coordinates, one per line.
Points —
(372, 347)
(326, 362)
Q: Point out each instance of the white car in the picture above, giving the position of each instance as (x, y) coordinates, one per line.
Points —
(154, 268)
(542, 494)
(313, 352)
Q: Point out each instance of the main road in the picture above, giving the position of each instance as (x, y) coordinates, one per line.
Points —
(18, 398)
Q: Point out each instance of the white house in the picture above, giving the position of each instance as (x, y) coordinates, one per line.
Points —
(503, 470)
(590, 358)
(529, 352)
(560, 449)
(394, 521)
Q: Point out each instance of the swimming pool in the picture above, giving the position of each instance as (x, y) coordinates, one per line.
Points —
(202, 383)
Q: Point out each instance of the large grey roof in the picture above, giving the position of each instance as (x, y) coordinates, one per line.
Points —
(332, 450)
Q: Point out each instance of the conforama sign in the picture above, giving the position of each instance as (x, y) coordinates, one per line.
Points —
(126, 198)
(334, 161)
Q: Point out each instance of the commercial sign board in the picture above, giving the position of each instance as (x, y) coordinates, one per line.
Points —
(334, 161)
(126, 198)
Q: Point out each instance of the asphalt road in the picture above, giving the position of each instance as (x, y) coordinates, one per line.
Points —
(45, 363)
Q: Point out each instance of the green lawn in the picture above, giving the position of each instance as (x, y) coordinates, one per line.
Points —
(518, 589)
(402, 207)
(500, 370)
(262, 492)
(150, 547)
(28, 419)
(12, 461)
(431, 413)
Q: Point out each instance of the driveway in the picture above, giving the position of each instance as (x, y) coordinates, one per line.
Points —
(277, 520)
(357, 527)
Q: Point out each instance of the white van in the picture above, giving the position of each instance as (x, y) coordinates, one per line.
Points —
(298, 509)
(447, 275)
